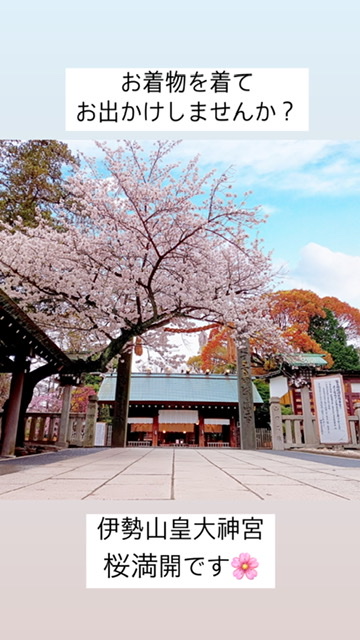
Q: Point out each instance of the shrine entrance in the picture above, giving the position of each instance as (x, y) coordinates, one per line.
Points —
(178, 434)
(154, 432)
(180, 409)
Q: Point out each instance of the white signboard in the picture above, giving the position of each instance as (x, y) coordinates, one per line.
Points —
(330, 410)
(100, 434)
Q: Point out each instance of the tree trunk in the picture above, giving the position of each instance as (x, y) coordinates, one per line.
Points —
(121, 406)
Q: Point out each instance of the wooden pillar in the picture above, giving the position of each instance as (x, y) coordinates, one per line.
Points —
(121, 405)
(90, 422)
(196, 434)
(233, 434)
(155, 431)
(310, 435)
(245, 395)
(277, 435)
(11, 421)
(201, 431)
(63, 435)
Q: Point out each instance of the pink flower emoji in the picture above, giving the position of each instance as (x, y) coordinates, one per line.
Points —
(244, 566)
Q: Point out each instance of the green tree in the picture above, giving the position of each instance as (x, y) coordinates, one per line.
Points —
(31, 179)
(332, 337)
(92, 380)
(262, 411)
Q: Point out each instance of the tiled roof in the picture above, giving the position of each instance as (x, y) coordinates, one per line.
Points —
(17, 329)
(304, 360)
(177, 387)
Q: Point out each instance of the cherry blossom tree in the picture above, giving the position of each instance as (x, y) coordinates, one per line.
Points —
(145, 243)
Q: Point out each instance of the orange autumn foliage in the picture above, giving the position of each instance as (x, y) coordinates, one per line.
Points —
(349, 317)
(80, 399)
(294, 307)
(219, 351)
(291, 311)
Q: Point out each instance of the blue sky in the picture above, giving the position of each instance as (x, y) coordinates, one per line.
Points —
(310, 190)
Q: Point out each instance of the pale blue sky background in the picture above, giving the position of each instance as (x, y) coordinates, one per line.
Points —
(39, 40)
(310, 190)
(309, 187)
(312, 195)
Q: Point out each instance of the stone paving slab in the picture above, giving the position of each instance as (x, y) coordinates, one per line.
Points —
(178, 474)
(132, 492)
(29, 494)
(266, 480)
(217, 496)
(308, 479)
(353, 474)
(301, 492)
(89, 474)
(158, 479)
(5, 489)
(345, 488)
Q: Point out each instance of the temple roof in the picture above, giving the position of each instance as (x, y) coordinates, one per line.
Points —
(304, 360)
(18, 331)
(177, 387)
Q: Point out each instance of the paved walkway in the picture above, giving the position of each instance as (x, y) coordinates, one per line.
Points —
(174, 474)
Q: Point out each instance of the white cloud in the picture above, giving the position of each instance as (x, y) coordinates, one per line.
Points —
(327, 273)
(304, 166)
(259, 156)
(268, 209)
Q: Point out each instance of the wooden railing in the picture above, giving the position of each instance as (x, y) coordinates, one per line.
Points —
(263, 438)
(139, 443)
(294, 432)
(218, 444)
(76, 429)
(43, 428)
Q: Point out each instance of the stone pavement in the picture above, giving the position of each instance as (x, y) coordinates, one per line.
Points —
(175, 474)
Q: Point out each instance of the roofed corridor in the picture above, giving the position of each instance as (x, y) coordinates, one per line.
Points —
(179, 474)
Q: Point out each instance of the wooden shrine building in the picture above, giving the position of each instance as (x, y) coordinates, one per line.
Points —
(21, 340)
(298, 369)
(183, 409)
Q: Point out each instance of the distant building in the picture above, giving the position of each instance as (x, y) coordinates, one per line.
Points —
(298, 368)
(351, 381)
(183, 409)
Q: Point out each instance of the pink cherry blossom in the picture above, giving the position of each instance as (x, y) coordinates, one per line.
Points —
(244, 566)
(143, 244)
